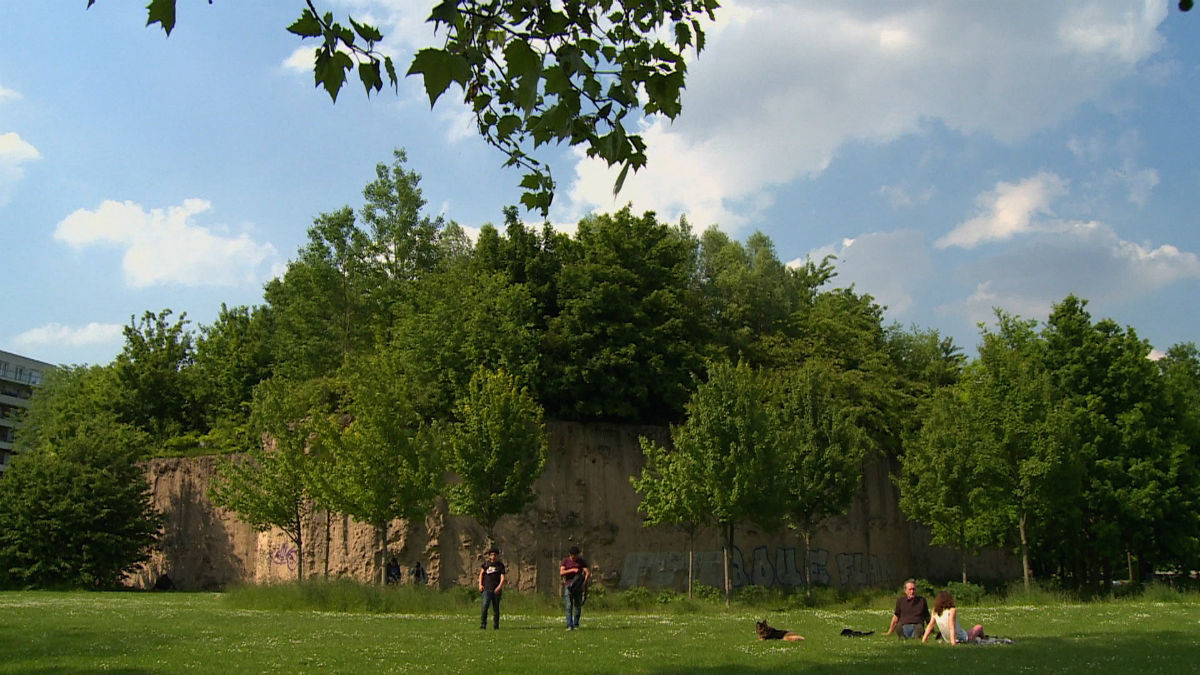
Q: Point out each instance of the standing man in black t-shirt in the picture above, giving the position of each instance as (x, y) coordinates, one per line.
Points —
(491, 583)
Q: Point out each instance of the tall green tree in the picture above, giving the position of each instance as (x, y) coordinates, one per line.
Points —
(1179, 545)
(994, 443)
(939, 474)
(232, 356)
(821, 448)
(672, 494)
(154, 393)
(456, 321)
(319, 308)
(731, 442)
(381, 460)
(627, 340)
(1120, 422)
(496, 448)
(272, 484)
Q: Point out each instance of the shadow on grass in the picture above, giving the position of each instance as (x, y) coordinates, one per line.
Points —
(1154, 652)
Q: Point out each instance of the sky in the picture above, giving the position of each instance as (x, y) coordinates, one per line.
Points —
(955, 157)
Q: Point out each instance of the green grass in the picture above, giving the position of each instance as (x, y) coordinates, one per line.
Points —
(79, 632)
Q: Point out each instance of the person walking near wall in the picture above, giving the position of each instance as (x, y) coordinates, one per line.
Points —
(491, 583)
(575, 573)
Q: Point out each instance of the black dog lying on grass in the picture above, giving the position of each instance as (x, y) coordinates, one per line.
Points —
(850, 632)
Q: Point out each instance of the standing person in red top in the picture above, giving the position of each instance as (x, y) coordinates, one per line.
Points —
(575, 573)
(491, 582)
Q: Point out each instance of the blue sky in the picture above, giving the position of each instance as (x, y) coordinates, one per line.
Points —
(955, 156)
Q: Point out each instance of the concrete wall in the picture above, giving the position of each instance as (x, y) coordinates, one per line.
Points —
(584, 499)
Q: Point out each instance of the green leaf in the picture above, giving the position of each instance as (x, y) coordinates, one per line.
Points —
(369, 74)
(308, 25)
(620, 179)
(445, 12)
(683, 35)
(161, 12)
(391, 71)
(366, 31)
(506, 125)
(330, 69)
(439, 68)
(520, 59)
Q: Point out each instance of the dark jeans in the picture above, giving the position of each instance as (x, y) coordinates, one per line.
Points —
(909, 630)
(572, 605)
(490, 598)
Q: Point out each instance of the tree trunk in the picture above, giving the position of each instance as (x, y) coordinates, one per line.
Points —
(1028, 574)
(382, 531)
(299, 542)
(807, 533)
(691, 558)
(726, 549)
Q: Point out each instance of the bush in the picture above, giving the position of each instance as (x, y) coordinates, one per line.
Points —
(966, 593)
(75, 515)
(756, 596)
(638, 597)
(707, 593)
(666, 596)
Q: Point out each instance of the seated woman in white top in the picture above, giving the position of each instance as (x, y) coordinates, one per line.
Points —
(945, 617)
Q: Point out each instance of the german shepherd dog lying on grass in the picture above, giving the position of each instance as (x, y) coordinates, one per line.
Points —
(766, 632)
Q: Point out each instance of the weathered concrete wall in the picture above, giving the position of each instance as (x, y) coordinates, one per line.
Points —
(584, 499)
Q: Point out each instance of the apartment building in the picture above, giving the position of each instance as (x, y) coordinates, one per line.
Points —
(19, 376)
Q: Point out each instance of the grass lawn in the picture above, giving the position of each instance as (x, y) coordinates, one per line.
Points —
(78, 632)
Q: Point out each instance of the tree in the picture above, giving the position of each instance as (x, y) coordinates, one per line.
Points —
(628, 336)
(456, 321)
(1180, 524)
(822, 449)
(380, 460)
(994, 440)
(1119, 423)
(320, 312)
(231, 357)
(731, 445)
(672, 494)
(939, 473)
(533, 72)
(496, 447)
(154, 393)
(75, 508)
(271, 485)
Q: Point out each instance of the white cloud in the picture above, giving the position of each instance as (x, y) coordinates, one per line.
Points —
(783, 85)
(7, 94)
(164, 247)
(903, 197)
(58, 335)
(1007, 211)
(14, 152)
(1085, 258)
(888, 265)
(300, 60)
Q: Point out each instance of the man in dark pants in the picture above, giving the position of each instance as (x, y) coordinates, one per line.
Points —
(491, 583)
(911, 615)
(575, 573)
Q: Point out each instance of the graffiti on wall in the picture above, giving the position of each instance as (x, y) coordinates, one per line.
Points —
(284, 554)
(784, 566)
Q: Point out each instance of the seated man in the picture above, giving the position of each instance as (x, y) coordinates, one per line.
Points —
(911, 615)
